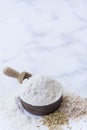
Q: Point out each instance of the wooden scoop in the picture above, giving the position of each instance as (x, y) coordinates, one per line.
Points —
(37, 110)
(15, 74)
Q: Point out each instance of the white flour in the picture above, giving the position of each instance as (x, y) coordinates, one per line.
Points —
(72, 106)
(17, 117)
(40, 90)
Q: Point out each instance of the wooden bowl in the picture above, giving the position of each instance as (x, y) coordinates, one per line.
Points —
(41, 110)
(37, 110)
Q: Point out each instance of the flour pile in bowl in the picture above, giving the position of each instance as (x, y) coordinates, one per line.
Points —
(40, 90)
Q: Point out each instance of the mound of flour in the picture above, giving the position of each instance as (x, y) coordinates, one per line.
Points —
(40, 90)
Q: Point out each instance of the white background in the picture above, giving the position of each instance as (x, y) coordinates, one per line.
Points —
(44, 37)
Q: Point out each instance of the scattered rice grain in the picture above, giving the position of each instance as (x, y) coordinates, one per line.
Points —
(72, 107)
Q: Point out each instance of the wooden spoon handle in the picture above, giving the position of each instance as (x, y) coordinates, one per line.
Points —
(11, 72)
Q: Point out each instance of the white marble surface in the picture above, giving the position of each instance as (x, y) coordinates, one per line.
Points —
(44, 37)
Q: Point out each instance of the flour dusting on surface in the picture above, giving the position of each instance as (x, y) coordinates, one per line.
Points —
(72, 107)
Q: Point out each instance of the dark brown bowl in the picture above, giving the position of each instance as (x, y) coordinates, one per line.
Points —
(42, 110)
(37, 110)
